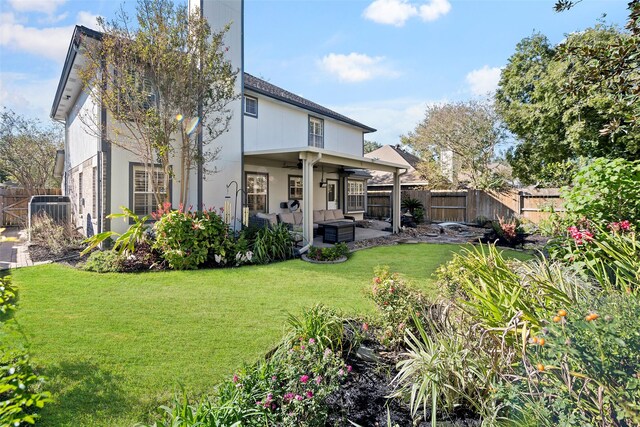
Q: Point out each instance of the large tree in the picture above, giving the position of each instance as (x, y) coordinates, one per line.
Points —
(462, 136)
(370, 146)
(28, 151)
(556, 119)
(165, 80)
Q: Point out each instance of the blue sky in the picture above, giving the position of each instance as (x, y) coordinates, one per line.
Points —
(380, 62)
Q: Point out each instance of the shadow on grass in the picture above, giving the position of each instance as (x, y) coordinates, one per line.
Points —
(83, 391)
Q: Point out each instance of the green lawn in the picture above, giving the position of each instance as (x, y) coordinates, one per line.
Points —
(115, 346)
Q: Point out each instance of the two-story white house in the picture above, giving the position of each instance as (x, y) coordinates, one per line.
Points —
(280, 147)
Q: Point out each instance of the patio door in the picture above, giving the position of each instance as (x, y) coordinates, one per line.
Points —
(332, 194)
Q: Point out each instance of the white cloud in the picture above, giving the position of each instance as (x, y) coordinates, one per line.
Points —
(49, 42)
(27, 94)
(390, 12)
(356, 67)
(434, 9)
(484, 80)
(44, 6)
(397, 12)
(87, 19)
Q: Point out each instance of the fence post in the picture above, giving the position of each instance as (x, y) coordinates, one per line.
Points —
(2, 191)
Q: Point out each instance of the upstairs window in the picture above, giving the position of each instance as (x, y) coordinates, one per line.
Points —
(251, 106)
(316, 132)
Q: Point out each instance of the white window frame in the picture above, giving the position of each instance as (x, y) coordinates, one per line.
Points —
(246, 109)
(356, 195)
(295, 184)
(145, 190)
(316, 132)
(253, 192)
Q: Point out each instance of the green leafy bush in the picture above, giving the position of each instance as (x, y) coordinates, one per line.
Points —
(21, 392)
(108, 261)
(585, 372)
(321, 324)
(396, 302)
(188, 239)
(272, 244)
(605, 191)
(7, 295)
(126, 242)
(337, 251)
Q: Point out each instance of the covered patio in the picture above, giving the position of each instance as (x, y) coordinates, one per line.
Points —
(314, 167)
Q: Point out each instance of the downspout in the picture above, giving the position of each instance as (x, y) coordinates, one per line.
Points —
(396, 223)
(307, 203)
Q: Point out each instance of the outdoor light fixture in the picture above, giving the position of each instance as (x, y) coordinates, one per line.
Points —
(323, 183)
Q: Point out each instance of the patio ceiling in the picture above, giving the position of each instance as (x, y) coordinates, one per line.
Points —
(279, 157)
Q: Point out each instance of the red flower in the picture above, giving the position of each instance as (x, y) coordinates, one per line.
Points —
(304, 379)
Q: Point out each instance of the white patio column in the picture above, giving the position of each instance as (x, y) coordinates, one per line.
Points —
(308, 160)
(395, 200)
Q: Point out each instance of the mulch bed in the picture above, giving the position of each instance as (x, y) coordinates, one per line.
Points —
(362, 398)
(69, 255)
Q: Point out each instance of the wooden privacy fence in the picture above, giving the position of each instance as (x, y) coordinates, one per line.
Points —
(14, 205)
(470, 205)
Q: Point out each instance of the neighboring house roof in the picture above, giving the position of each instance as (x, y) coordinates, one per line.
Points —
(395, 154)
(250, 82)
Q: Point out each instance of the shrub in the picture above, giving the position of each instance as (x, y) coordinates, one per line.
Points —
(585, 372)
(396, 302)
(104, 262)
(126, 242)
(509, 231)
(54, 236)
(320, 324)
(7, 295)
(337, 251)
(21, 392)
(188, 239)
(605, 191)
(447, 364)
(272, 244)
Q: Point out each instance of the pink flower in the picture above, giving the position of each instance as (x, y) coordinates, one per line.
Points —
(349, 368)
(625, 225)
(302, 347)
(318, 379)
(273, 378)
(365, 327)
(298, 397)
(304, 379)
(288, 397)
(235, 378)
(312, 341)
(341, 372)
(309, 394)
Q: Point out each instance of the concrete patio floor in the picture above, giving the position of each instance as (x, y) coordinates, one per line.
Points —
(14, 254)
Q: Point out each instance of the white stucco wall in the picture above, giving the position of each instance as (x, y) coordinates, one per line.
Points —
(228, 165)
(282, 126)
(81, 144)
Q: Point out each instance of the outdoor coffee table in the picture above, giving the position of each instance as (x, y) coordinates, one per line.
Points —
(339, 231)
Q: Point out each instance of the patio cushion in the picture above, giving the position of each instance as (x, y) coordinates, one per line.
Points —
(337, 214)
(272, 218)
(328, 215)
(287, 218)
(297, 218)
(318, 216)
